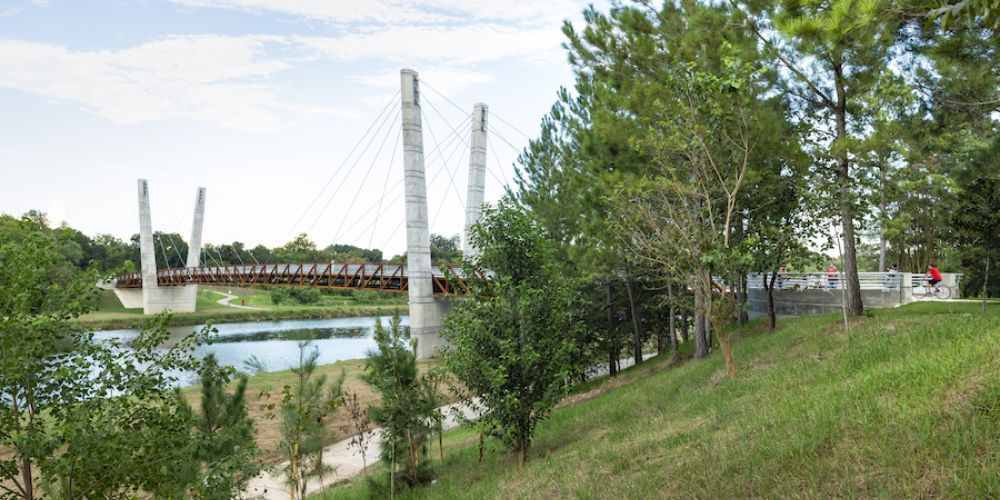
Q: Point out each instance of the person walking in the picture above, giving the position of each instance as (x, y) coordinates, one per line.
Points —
(891, 277)
(832, 275)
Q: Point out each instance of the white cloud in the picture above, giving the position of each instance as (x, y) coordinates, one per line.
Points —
(442, 45)
(406, 12)
(215, 79)
(8, 11)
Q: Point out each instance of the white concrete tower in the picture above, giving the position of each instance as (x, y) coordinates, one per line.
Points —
(154, 298)
(425, 314)
(477, 175)
(194, 247)
(147, 250)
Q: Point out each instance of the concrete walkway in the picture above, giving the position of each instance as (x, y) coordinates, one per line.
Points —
(346, 459)
(228, 297)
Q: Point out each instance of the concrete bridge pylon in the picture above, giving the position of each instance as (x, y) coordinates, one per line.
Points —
(477, 175)
(426, 311)
(153, 298)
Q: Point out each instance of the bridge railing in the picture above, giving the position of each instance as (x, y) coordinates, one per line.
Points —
(379, 276)
(825, 280)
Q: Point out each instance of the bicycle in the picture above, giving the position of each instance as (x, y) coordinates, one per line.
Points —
(938, 291)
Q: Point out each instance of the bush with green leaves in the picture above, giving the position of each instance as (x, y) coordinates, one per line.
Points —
(280, 295)
(365, 296)
(513, 345)
(304, 295)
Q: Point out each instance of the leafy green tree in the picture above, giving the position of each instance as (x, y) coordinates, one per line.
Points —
(299, 250)
(704, 135)
(82, 418)
(407, 408)
(226, 453)
(305, 407)
(446, 250)
(833, 54)
(513, 344)
(977, 219)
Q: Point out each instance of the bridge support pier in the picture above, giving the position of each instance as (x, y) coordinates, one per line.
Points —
(426, 312)
(153, 298)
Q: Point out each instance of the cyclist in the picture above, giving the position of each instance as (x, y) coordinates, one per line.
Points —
(933, 275)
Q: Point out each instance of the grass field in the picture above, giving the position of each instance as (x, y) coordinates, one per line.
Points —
(111, 315)
(906, 405)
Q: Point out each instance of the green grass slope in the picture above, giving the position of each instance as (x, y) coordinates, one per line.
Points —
(906, 405)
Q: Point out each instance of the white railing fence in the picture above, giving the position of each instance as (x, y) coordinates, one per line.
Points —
(830, 280)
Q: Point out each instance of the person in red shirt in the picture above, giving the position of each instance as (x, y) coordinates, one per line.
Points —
(832, 273)
(933, 275)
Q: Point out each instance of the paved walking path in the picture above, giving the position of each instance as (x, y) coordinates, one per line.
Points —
(228, 297)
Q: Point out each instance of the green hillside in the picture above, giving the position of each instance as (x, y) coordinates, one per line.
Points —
(907, 405)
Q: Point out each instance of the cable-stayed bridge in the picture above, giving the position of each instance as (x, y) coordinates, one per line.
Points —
(175, 289)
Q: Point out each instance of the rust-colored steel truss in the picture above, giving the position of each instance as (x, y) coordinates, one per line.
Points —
(380, 276)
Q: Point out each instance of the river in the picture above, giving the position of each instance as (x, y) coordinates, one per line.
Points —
(275, 343)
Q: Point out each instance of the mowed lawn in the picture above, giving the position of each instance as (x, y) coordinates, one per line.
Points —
(905, 405)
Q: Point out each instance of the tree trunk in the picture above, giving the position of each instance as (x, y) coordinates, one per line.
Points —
(727, 351)
(708, 331)
(851, 281)
(636, 330)
(744, 315)
(881, 224)
(672, 322)
(685, 325)
(700, 348)
(986, 280)
(769, 289)
(612, 352)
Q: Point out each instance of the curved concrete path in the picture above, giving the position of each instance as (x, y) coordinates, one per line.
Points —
(228, 297)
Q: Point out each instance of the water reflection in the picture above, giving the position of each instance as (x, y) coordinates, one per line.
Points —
(275, 343)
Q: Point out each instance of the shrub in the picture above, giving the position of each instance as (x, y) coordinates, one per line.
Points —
(279, 295)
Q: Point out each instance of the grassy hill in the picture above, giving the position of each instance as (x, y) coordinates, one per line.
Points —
(906, 405)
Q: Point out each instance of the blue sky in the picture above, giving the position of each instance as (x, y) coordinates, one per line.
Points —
(260, 101)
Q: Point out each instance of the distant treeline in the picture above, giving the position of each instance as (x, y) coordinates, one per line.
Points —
(109, 253)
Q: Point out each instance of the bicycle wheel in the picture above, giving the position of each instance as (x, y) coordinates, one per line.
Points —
(943, 292)
(920, 292)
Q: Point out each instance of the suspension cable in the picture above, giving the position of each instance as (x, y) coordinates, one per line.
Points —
(371, 167)
(505, 182)
(431, 130)
(385, 184)
(347, 175)
(347, 158)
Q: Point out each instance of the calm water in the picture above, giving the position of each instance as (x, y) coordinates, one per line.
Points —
(275, 343)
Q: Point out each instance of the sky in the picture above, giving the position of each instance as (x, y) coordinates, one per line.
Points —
(285, 110)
